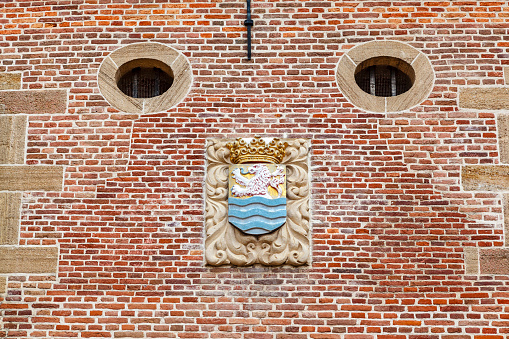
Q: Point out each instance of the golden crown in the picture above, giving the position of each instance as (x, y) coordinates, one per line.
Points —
(257, 150)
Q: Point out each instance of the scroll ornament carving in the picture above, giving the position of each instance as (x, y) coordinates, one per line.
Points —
(289, 244)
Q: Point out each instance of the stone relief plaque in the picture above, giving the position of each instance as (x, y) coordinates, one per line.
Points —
(257, 202)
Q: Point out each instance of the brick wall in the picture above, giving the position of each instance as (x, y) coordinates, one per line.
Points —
(401, 245)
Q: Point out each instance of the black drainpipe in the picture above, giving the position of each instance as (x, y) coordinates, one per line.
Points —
(248, 23)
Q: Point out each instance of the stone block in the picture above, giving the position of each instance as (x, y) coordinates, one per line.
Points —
(494, 261)
(353, 92)
(420, 90)
(3, 285)
(181, 84)
(488, 178)
(31, 178)
(10, 81)
(12, 139)
(505, 202)
(503, 137)
(471, 260)
(10, 204)
(33, 102)
(492, 98)
(29, 259)
(393, 49)
(112, 93)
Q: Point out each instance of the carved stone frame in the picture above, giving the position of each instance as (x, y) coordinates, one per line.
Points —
(288, 245)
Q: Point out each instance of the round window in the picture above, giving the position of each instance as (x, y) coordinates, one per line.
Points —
(384, 76)
(144, 78)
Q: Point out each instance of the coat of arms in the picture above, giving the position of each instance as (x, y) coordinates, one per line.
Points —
(257, 197)
(257, 202)
(257, 186)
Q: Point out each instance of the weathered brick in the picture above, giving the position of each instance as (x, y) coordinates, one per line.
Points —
(33, 102)
(494, 261)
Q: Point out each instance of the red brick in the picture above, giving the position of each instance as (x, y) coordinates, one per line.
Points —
(390, 220)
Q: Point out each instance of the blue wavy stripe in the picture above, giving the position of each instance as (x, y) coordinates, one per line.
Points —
(257, 205)
(256, 231)
(258, 209)
(257, 199)
(257, 221)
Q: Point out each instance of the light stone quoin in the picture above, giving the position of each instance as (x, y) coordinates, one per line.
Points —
(16, 176)
(490, 177)
(287, 245)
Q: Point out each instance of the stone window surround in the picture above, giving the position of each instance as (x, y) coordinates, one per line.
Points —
(111, 69)
(423, 83)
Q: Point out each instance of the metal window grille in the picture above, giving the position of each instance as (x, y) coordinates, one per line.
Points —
(383, 81)
(141, 82)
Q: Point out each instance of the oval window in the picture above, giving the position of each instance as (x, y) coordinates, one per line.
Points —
(384, 76)
(144, 78)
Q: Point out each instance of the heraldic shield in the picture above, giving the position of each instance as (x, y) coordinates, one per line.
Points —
(257, 197)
